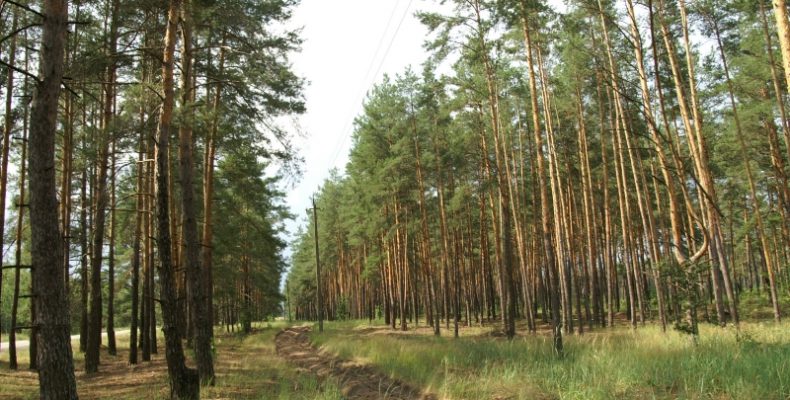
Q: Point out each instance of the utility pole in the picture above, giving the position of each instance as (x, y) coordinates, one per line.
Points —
(288, 300)
(320, 305)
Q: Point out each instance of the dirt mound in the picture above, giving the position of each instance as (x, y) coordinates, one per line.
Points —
(355, 381)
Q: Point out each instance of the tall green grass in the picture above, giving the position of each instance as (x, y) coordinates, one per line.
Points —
(605, 364)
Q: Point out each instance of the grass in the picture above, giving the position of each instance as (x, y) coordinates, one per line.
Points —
(753, 363)
(247, 367)
(614, 363)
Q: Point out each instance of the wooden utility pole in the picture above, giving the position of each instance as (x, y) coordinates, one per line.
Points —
(320, 302)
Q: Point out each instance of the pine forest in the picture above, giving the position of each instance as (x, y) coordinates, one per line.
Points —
(552, 199)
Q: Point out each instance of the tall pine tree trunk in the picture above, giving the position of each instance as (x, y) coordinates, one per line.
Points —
(92, 353)
(783, 28)
(195, 290)
(546, 221)
(755, 199)
(12, 356)
(208, 193)
(136, 244)
(54, 356)
(778, 93)
(184, 382)
(7, 127)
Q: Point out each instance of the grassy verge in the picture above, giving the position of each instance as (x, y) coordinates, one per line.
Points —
(247, 367)
(604, 364)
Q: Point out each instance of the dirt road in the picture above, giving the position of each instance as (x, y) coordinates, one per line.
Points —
(24, 344)
(356, 381)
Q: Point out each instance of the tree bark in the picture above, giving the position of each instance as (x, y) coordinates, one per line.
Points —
(84, 258)
(12, 358)
(136, 246)
(7, 127)
(195, 290)
(184, 382)
(54, 357)
(546, 221)
(111, 345)
(778, 93)
(755, 199)
(92, 353)
(208, 192)
(783, 28)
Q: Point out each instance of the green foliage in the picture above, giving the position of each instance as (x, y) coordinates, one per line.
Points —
(257, 88)
(23, 315)
(342, 312)
(249, 231)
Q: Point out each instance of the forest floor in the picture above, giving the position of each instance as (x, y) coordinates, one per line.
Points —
(247, 367)
(368, 359)
(356, 381)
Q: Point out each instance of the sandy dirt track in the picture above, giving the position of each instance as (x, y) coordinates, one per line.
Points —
(355, 381)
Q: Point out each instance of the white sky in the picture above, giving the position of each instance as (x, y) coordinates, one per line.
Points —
(344, 46)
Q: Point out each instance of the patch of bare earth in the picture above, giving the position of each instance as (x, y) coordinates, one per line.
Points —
(356, 382)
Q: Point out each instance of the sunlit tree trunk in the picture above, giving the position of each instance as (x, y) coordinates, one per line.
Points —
(755, 199)
(783, 27)
(590, 220)
(775, 80)
(546, 221)
(654, 136)
(426, 240)
(681, 255)
(184, 382)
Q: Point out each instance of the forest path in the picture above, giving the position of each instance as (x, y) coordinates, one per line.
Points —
(356, 381)
(25, 344)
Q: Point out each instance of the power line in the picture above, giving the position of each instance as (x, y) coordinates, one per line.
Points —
(349, 120)
(351, 107)
(389, 47)
(381, 41)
